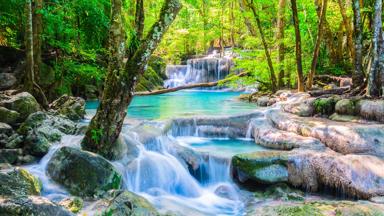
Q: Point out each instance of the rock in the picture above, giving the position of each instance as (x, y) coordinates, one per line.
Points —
(10, 155)
(303, 108)
(346, 118)
(345, 107)
(73, 204)
(31, 206)
(264, 167)
(8, 116)
(18, 182)
(83, 173)
(5, 129)
(42, 129)
(71, 107)
(122, 203)
(23, 103)
(325, 106)
(263, 101)
(14, 141)
(371, 109)
(343, 138)
(318, 208)
(7, 81)
(281, 192)
(377, 199)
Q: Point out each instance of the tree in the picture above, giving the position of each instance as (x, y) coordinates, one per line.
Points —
(37, 23)
(358, 75)
(265, 45)
(316, 51)
(374, 78)
(300, 77)
(280, 40)
(347, 26)
(106, 125)
(29, 75)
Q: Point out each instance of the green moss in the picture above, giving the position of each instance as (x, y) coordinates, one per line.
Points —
(301, 210)
(325, 106)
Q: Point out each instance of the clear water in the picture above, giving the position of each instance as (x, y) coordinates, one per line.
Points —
(183, 104)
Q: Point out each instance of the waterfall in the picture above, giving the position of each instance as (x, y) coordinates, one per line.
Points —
(199, 70)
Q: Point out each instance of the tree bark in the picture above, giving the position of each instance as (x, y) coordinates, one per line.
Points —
(316, 51)
(106, 125)
(265, 45)
(29, 76)
(139, 19)
(247, 22)
(300, 77)
(348, 29)
(374, 79)
(358, 75)
(280, 40)
(37, 22)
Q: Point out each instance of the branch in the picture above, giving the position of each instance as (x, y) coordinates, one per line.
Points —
(191, 86)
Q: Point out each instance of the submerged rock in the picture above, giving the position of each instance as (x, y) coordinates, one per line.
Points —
(83, 173)
(42, 129)
(18, 182)
(122, 203)
(31, 206)
(71, 107)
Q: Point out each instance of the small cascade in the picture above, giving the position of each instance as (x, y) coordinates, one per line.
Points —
(199, 70)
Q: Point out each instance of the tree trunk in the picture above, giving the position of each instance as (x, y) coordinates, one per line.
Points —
(374, 79)
(247, 22)
(320, 31)
(358, 75)
(140, 18)
(266, 49)
(106, 125)
(280, 40)
(348, 29)
(29, 76)
(300, 77)
(37, 28)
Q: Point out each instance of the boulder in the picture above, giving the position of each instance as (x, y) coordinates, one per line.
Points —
(31, 206)
(71, 107)
(10, 156)
(84, 174)
(5, 129)
(18, 182)
(42, 129)
(371, 109)
(73, 204)
(23, 103)
(281, 192)
(7, 81)
(263, 101)
(8, 116)
(121, 203)
(263, 167)
(303, 108)
(325, 106)
(345, 107)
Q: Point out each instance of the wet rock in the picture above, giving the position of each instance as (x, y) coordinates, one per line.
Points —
(23, 103)
(73, 204)
(5, 129)
(264, 167)
(263, 101)
(31, 206)
(345, 107)
(10, 155)
(371, 109)
(18, 182)
(83, 173)
(281, 192)
(340, 137)
(8, 116)
(377, 199)
(42, 129)
(71, 107)
(7, 81)
(346, 118)
(303, 107)
(121, 203)
(14, 141)
(325, 106)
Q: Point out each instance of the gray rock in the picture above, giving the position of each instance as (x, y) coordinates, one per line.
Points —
(371, 109)
(14, 141)
(9, 116)
(71, 107)
(10, 155)
(7, 81)
(73, 204)
(23, 103)
(83, 173)
(18, 182)
(345, 107)
(31, 206)
(263, 101)
(302, 108)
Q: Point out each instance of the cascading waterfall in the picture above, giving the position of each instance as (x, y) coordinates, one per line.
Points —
(199, 70)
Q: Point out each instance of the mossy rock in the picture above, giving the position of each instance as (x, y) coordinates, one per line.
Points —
(325, 106)
(84, 174)
(18, 182)
(23, 103)
(281, 192)
(9, 116)
(73, 204)
(265, 167)
(345, 107)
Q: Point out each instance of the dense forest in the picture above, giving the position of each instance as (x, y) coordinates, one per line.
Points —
(191, 107)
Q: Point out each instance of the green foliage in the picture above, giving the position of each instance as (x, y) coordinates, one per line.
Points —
(96, 135)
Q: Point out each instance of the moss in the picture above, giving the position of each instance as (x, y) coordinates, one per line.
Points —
(325, 106)
(301, 210)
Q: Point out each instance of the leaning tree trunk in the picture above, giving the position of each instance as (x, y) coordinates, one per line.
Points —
(106, 125)
(374, 79)
(358, 75)
(300, 77)
(280, 40)
(265, 45)
(319, 37)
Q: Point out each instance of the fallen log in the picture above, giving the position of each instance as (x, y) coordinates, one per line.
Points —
(336, 91)
(191, 86)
